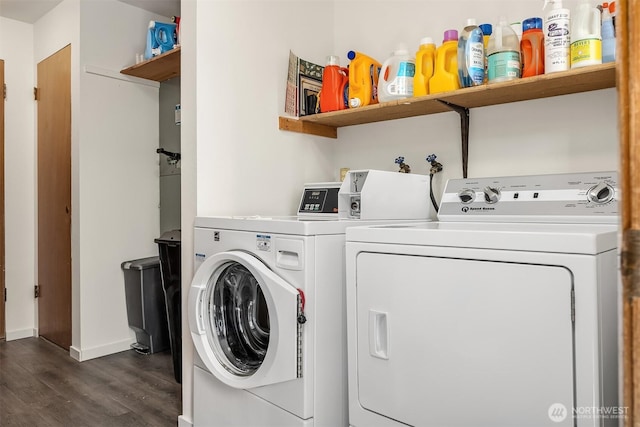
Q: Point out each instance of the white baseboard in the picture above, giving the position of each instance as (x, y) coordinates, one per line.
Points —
(103, 350)
(184, 422)
(22, 333)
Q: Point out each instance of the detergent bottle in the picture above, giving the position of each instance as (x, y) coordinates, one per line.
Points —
(608, 36)
(363, 79)
(425, 65)
(487, 30)
(586, 40)
(557, 38)
(396, 76)
(471, 55)
(160, 38)
(612, 11)
(532, 47)
(334, 80)
(503, 54)
(445, 76)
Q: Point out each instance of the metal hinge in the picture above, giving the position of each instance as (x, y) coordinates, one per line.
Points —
(4, 91)
(5, 294)
(573, 305)
(36, 291)
(36, 94)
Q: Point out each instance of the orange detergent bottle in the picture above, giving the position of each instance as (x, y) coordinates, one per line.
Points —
(532, 47)
(334, 80)
(425, 64)
(363, 79)
(445, 77)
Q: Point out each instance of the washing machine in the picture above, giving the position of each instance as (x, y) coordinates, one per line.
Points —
(502, 313)
(267, 307)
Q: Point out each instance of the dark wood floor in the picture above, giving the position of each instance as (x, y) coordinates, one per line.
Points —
(41, 385)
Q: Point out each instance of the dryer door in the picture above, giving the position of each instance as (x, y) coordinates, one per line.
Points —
(243, 321)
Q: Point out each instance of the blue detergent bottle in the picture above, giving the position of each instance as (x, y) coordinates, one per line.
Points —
(161, 37)
(471, 55)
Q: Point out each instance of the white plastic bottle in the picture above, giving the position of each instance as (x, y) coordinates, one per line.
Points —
(557, 36)
(586, 41)
(608, 37)
(471, 55)
(503, 54)
(396, 76)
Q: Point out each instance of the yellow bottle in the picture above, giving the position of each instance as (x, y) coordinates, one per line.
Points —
(363, 79)
(487, 30)
(425, 65)
(445, 77)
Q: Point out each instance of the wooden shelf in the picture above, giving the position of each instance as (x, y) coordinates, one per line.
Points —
(573, 81)
(159, 68)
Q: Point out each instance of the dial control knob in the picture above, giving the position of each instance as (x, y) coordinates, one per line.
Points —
(466, 196)
(601, 193)
(491, 195)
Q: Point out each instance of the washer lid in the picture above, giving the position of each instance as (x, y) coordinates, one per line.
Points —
(561, 238)
(244, 321)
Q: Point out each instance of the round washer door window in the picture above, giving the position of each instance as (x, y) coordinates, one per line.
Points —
(239, 319)
(243, 321)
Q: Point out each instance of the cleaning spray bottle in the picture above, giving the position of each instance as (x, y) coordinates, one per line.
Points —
(586, 40)
(471, 55)
(425, 66)
(557, 36)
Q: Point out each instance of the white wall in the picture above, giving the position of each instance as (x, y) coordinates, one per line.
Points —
(16, 49)
(561, 134)
(188, 183)
(118, 170)
(245, 164)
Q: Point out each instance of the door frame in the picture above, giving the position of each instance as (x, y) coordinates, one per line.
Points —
(3, 324)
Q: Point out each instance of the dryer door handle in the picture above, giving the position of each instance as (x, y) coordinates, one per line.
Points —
(378, 334)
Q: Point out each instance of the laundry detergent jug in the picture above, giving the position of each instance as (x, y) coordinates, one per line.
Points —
(363, 79)
(161, 37)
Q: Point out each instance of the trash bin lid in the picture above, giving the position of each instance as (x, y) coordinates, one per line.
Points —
(142, 263)
(172, 236)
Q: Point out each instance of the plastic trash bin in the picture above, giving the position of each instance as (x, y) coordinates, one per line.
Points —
(146, 307)
(169, 249)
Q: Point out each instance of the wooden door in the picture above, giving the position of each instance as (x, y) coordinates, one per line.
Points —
(2, 263)
(54, 197)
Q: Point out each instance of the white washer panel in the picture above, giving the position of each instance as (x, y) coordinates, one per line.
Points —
(441, 336)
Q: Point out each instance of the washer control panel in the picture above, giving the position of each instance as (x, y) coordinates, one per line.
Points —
(591, 197)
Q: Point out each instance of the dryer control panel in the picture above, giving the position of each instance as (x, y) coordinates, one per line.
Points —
(591, 197)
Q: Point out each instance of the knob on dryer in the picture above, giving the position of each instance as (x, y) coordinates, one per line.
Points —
(491, 195)
(466, 196)
(601, 193)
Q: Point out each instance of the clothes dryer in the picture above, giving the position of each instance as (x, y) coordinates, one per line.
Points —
(480, 320)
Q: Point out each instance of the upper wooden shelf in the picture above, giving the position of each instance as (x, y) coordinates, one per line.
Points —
(159, 68)
(544, 86)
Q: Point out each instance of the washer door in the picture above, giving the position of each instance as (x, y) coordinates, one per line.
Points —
(243, 321)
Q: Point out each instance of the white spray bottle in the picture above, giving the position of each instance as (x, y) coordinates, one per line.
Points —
(557, 36)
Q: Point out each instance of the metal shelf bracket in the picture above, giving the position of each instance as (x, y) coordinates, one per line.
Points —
(464, 132)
